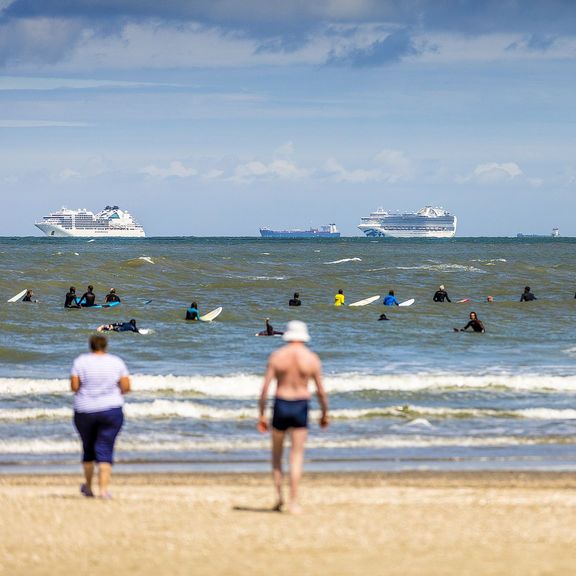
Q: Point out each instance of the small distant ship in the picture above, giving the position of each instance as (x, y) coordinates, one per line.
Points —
(428, 222)
(555, 234)
(110, 222)
(328, 231)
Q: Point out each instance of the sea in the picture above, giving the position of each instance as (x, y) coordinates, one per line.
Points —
(409, 393)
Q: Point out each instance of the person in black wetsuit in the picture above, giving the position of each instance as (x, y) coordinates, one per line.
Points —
(71, 301)
(111, 297)
(88, 298)
(269, 331)
(527, 296)
(295, 301)
(383, 317)
(440, 295)
(192, 313)
(28, 296)
(474, 323)
(119, 327)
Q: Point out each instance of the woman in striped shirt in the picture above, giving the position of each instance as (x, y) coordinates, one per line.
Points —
(99, 381)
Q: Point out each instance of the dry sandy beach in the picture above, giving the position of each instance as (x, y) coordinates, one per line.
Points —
(398, 524)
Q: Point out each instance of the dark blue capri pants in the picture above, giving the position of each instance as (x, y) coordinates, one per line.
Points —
(98, 431)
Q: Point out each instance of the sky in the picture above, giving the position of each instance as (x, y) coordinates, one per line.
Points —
(216, 117)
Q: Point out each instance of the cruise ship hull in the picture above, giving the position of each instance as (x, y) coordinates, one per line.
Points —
(382, 232)
(56, 231)
(297, 234)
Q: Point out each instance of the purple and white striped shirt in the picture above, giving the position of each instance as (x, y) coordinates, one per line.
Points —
(99, 377)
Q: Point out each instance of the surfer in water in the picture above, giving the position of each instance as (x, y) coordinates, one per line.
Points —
(119, 327)
(474, 323)
(390, 300)
(339, 298)
(292, 366)
(88, 298)
(192, 313)
(440, 295)
(111, 297)
(295, 301)
(71, 301)
(269, 331)
(527, 296)
(28, 296)
(383, 317)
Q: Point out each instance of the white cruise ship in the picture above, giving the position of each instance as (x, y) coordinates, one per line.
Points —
(111, 222)
(426, 223)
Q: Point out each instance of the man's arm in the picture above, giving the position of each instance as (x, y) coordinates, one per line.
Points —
(321, 393)
(268, 377)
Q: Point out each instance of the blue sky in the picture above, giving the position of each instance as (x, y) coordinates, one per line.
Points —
(215, 117)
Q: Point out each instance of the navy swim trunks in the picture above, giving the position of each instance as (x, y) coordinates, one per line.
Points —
(290, 414)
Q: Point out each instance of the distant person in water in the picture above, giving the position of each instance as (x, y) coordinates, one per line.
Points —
(111, 297)
(440, 295)
(28, 296)
(292, 366)
(88, 298)
(339, 298)
(490, 299)
(192, 313)
(390, 300)
(71, 301)
(383, 317)
(474, 323)
(269, 330)
(527, 296)
(119, 327)
(295, 301)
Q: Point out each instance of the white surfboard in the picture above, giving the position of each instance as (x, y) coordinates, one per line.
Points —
(211, 315)
(18, 296)
(407, 302)
(366, 301)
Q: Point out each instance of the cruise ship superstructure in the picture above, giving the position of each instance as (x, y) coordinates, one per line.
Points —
(111, 222)
(428, 222)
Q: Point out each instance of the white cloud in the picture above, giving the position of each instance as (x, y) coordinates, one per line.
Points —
(498, 173)
(66, 174)
(175, 169)
(281, 169)
(392, 166)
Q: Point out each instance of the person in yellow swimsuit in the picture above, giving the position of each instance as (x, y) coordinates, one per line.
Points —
(339, 298)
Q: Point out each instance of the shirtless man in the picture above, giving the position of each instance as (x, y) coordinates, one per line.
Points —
(291, 366)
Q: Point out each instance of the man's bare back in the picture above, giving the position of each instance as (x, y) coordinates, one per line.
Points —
(293, 366)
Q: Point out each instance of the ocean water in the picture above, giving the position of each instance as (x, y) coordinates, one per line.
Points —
(409, 393)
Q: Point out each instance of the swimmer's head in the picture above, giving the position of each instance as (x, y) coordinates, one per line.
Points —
(489, 298)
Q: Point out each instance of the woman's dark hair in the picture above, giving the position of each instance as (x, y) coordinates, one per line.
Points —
(296, 295)
(90, 287)
(98, 343)
(194, 305)
(391, 293)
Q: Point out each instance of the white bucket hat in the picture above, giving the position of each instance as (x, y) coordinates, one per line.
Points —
(296, 331)
(441, 286)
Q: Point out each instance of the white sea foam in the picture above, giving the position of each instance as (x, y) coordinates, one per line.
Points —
(248, 385)
(344, 260)
(444, 268)
(133, 443)
(187, 409)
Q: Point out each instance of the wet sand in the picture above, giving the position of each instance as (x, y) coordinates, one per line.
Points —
(423, 524)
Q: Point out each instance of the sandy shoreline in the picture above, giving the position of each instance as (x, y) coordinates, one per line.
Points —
(361, 523)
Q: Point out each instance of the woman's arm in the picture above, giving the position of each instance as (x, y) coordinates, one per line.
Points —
(124, 384)
(74, 383)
